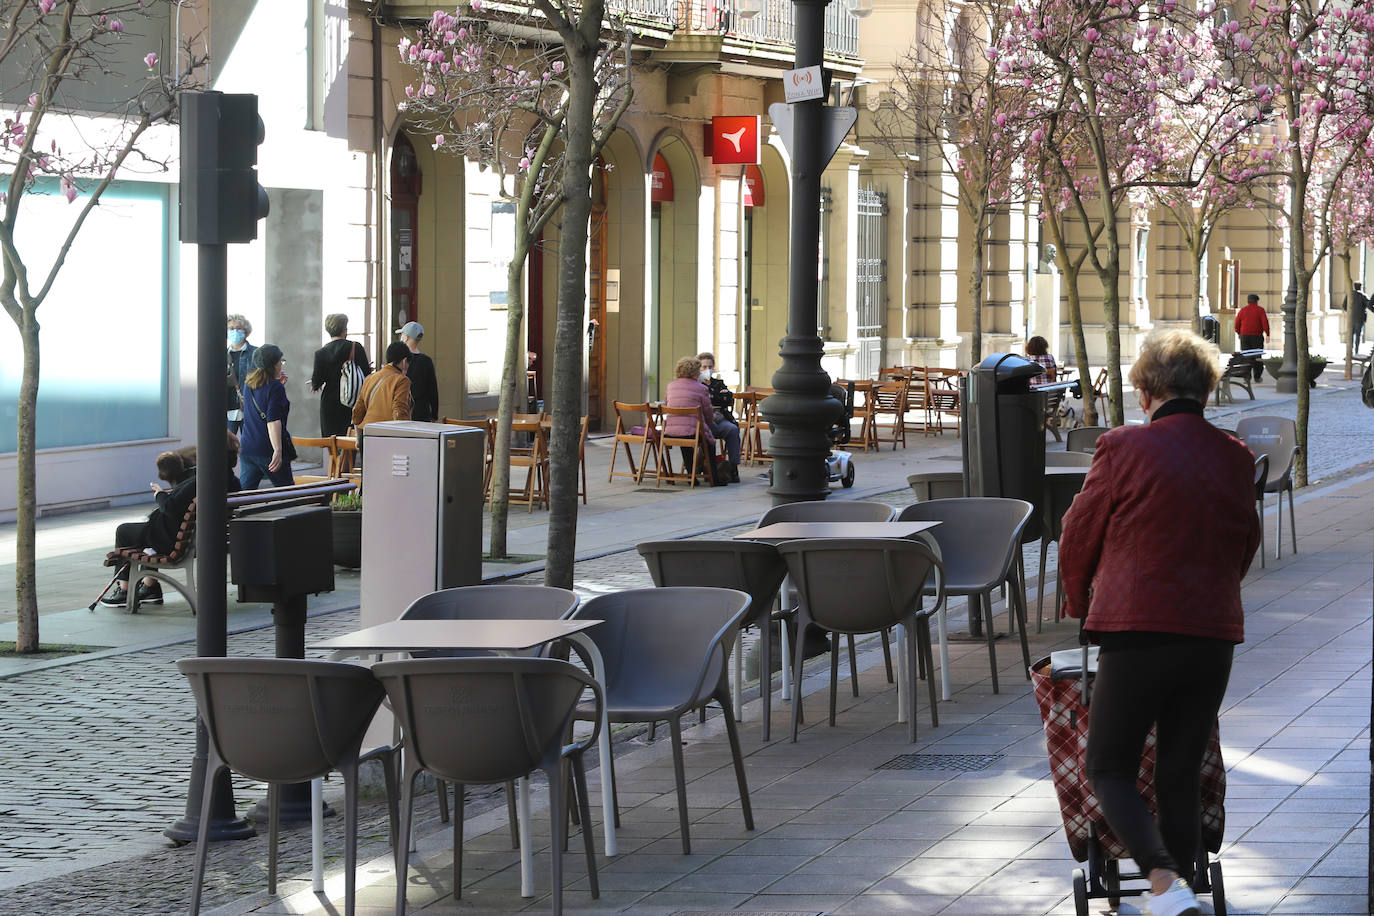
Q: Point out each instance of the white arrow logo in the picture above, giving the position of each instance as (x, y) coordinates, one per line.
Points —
(736, 137)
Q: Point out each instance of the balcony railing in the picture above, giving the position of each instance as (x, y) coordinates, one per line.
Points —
(773, 25)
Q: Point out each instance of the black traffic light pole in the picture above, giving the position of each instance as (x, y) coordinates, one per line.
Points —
(220, 202)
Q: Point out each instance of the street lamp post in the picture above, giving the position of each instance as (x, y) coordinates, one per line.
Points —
(1287, 381)
(801, 411)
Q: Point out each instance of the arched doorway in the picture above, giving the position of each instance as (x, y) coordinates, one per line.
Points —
(671, 331)
(767, 231)
(406, 181)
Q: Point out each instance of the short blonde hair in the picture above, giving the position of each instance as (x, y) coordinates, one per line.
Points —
(336, 325)
(1176, 364)
(687, 367)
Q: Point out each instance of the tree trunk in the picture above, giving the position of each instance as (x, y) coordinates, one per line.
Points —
(568, 335)
(976, 285)
(1304, 389)
(26, 554)
(1080, 344)
(512, 373)
(1195, 251)
(1349, 310)
(1110, 274)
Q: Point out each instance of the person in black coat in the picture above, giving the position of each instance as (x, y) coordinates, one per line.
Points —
(159, 532)
(424, 384)
(335, 417)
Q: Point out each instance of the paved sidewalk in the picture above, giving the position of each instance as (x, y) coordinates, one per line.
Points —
(105, 745)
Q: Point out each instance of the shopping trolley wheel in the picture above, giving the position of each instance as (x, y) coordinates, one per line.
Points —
(1080, 892)
(1112, 878)
(1218, 889)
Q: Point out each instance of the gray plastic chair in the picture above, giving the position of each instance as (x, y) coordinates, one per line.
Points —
(828, 511)
(1059, 493)
(865, 585)
(747, 566)
(482, 721)
(1068, 459)
(1261, 478)
(937, 485)
(490, 602)
(1083, 439)
(283, 720)
(666, 652)
(1276, 437)
(980, 542)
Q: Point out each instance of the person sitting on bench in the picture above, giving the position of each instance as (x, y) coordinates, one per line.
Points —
(159, 533)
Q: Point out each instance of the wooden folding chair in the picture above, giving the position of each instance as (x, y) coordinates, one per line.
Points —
(535, 461)
(889, 399)
(863, 412)
(752, 426)
(942, 397)
(700, 460)
(646, 438)
(330, 451)
(488, 425)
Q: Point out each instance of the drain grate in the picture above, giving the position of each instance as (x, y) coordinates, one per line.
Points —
(964, 763)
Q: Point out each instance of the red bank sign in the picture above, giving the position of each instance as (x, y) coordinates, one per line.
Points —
(735, 139)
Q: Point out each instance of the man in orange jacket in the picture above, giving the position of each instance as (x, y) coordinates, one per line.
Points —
(386, 392)
(1252, 327)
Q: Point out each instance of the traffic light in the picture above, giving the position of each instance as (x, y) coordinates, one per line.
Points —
(221, 200)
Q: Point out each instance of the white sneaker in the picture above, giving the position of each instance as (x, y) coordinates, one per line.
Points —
(1176, 901)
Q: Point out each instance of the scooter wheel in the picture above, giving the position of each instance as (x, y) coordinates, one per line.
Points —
(848, 480)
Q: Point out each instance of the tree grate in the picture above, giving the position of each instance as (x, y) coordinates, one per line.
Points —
(964, 763)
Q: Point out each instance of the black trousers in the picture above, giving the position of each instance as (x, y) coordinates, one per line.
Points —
(129, 534)
(1178, 687)
(1253, 342)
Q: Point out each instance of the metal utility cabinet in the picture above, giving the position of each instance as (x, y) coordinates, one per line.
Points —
(422, 513)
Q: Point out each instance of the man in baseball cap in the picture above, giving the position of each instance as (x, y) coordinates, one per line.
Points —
(424, 385)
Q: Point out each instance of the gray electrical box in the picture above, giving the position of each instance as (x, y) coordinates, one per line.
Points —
(422, 513)
(1004, 433)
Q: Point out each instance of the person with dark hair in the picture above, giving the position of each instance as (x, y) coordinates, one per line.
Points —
(1038, 351)
(265, 447)
(1252, 329)
(424, 384)
(158, 534)
(329, 362)
(1359, 303)
(386, 392)
(1162, 601)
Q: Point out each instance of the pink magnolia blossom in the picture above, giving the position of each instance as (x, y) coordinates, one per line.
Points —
(68, 189)
(150, 59)
(45, 6)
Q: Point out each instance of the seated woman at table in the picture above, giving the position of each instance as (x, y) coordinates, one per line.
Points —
(1162, 600)
(723, 423)
(1038, 351)
(687, 390)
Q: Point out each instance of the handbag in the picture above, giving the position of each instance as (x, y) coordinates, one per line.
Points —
(288, 448)
(350, 379)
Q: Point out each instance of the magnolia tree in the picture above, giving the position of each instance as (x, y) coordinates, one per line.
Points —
(1111, 77)
(52, 49)
(503, 101)
(1312, 66)
(945, 102)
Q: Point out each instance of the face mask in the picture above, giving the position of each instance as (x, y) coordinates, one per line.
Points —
(237, 337)
(705, 375)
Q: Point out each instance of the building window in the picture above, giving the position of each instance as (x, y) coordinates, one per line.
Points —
(104, 371)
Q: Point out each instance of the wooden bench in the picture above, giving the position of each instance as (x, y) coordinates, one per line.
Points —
(183, 554)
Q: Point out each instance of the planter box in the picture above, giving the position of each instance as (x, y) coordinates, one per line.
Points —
(1313, 370)
(348, 539)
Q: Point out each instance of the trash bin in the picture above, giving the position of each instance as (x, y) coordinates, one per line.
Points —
(1211, 329)
(1004, 439)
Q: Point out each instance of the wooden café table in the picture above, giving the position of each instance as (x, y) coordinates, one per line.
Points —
(500, 637)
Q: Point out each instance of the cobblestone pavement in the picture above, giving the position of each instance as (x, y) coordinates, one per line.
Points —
(97, 753)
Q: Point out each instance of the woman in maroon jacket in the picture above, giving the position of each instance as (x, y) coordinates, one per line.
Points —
(1153, 552)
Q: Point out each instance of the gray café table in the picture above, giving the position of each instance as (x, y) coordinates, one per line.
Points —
(792, 531)
(500, 637)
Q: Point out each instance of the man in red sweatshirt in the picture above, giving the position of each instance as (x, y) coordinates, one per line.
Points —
(1252, 327)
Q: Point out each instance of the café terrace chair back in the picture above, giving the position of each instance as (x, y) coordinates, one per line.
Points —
(282, 720)
(1069, 459)
(696, 452)
(865, 585)
(1261, 478)
(832, 511)
(929, 485)
(637, 431)
(1084, 438)
(980, 541)
(747, 566)
(666, 651)
(1276, 437)
(489, 602)
(485, 721)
